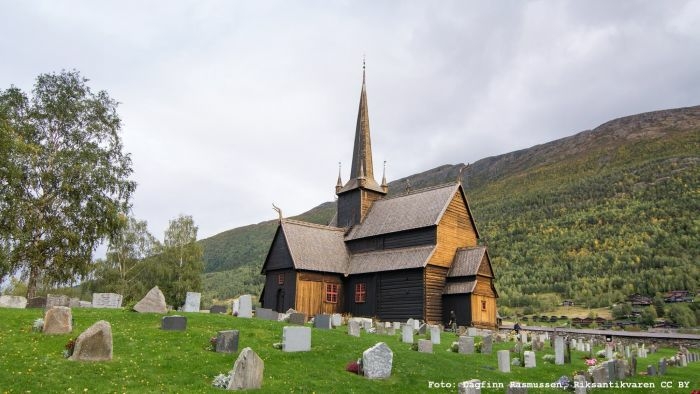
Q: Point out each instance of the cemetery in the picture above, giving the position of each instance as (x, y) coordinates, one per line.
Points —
(135, 353)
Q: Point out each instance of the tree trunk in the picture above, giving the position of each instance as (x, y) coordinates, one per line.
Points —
(32, 282)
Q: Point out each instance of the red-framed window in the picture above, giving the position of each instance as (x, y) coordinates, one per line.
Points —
(360, 293)
(331, 293)
(280, 279)
(483, 305)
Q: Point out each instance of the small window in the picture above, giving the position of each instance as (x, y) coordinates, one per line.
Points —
(331, 293)
(483, 305)
(360, 293)
(280, 279)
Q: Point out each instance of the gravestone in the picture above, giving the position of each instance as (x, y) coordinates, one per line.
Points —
(470, 386)
(684, 360)
(227, 341)
(530, 359)
(74, 303)
(621, 368)
(391, 331)
(9, 301)
(397, 325)
(628, 352)
(413, 323)
(217, 309)
(633, 365)
(471, 331)
(503, 360)
(85, 304)
(407, 334)
(465, 345)
(323, 322)
(106, 300)
(247, 371)
(425, 346)
(587, 347)
(266, 314)
(612, 371)
(580, 346)
(152, 302)
(559, 350)
(435, 334)
(297, 318)
(580, 383)
(367, 325)
(336, 320)
(600, 374)
(56, 300)
(608, 351)
(245, 306)
(516, 388)
(354, 328)
(58, 320)
(486, 344)
(651, 370)
(94, 344)
(173, 323)
(422, 329)
(377, 361)
(192, 302)
(381, 329)
(37, 302)
(235, 306)
(296, 339)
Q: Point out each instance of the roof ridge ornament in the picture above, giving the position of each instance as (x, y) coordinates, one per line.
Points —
(461, 171)
(278, 210)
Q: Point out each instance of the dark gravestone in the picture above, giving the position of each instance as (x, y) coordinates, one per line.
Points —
(323, 322)
(297, 318)
(217, 309)
(651, 370)
(174, 323)
(37, 302)
(422, 329)
(662, 367)
(266, 314)
(633, 366)
(227, 341)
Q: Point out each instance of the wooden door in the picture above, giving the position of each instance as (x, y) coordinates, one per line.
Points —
(308, 297)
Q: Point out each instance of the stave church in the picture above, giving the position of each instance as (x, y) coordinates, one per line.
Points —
(390, 257)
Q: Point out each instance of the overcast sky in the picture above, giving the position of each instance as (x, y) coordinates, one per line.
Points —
(229, 106)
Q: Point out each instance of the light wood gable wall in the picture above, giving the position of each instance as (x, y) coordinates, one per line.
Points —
(484, 296)
(310, 295)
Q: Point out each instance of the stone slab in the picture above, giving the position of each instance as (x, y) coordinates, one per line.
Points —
(296, 339)
(245, 306)
(10, 301)
(106, 300)
(377, 361)
(227, 341)
(94, 344)
(247, 371)
(193, 300)
(425, 346)
(323, 322)
(173, 323)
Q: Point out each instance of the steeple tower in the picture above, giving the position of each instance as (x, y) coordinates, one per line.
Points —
(357, 195)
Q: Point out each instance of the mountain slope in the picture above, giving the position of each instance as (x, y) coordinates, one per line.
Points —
(593, 217)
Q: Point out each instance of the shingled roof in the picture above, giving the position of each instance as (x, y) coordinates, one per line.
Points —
(316, 248)
(405, 212)
(390, 259)
(459, 287)
(467, 261)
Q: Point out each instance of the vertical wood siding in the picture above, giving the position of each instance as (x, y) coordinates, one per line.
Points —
(483, 317)
(311, 293)
(454, 231)
(367, 308)
(272, 290)
(461, 305)
(434, 285)
(400, 295)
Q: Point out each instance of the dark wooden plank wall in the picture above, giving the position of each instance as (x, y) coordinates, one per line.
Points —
(403, 239)
(349, 208)
(400, 295)
(461, 304)
(369, 307)
(273, 290)
(434, 285)
(278, 257)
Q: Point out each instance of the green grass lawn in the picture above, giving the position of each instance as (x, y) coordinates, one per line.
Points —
(147, 359)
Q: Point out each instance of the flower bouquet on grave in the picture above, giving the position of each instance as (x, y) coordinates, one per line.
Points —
(212, 344)
(70, 346)
(591, 362)
(38, 325)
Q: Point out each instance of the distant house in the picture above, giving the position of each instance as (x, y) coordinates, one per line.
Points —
(411, 255)
(639, 300)
(678, 296)
(567, 303)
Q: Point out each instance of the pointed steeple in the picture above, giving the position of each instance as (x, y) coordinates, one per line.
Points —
(384, 185)
(339, 183)
(362, 169)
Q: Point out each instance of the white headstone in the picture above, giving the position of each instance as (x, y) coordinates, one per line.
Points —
(471, 331)
(559, 350)
(377, 361)
(397, 325)
(435, 334)
(470, 386)
(245, 306)
(336, 319)
(354, 328)
(106, 300)
(465, 345)
(407, 334)
(296, 339)
(8, 301)
(530, 359)
(503, 360)
(608, 351)
(425, 346)
(192, 302)
(235, 306)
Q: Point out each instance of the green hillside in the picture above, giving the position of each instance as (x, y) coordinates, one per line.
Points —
(592, 217)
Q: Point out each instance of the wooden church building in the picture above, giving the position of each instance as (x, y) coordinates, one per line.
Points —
(412, 255)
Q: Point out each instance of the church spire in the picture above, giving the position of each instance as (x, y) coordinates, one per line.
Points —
(362, 169)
